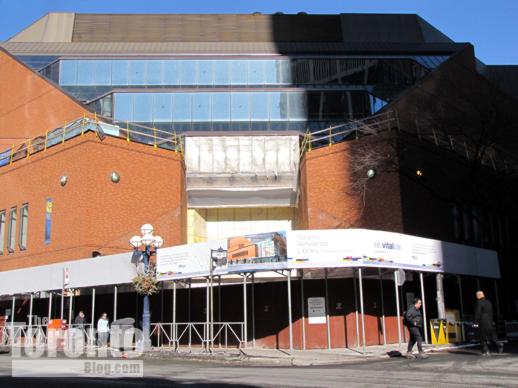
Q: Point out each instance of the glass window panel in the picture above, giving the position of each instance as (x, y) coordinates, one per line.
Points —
(11, 233)
(238, 72)
(201, 107)
(239, 106)
(256, 72)
(259, 106)
(297, 106)
(163, 107)
(24, 220)
(142, 110)
(137, 73)
(103, 73)
(85, 72)
(68, 73)
(285, 72)
(205, 72)
(154, 72)
(222, 72)
(170, 69)
(123, 107)
(120, 72)
(220, 106)
(2, 231)
(271, 72)
(278, 106)
(182, 107)
(187, 72)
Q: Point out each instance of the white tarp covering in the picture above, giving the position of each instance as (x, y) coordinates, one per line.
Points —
(98, 271)
(241, 171)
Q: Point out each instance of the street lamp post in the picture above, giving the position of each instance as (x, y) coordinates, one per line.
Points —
(218, 259)
(144, 245)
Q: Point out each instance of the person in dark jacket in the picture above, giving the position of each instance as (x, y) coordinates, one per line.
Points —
(80, 320)
(485, 323)
(414, 322)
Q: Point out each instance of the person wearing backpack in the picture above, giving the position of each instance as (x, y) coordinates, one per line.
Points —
(414, 322)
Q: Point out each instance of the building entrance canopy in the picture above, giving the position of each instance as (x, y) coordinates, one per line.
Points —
(336, 248)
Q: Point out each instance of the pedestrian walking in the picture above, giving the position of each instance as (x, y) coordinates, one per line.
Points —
(485, 323)
(414, 322)
(103, 330)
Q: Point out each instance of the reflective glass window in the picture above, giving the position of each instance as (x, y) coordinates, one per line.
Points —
(284, 72)
(2, 231)
(201, 107)
(24, 223)
(239, 106)
(120, 71)
(271, 72)
(238, 72)
(103, 73)
(220, 106)
(142, 107)
(256, 72)
(11, 232)
(297, 106)
(163, 107)
(221, 72)
(278, 106)
(154, 73)
(85, 72)
(68, 73)
(137, 73)
(205, 72)
(123, 107)
(187, 72)
(170, 72)
(182, 107)
(259, 107)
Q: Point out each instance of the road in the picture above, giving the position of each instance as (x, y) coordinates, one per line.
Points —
(459, 369)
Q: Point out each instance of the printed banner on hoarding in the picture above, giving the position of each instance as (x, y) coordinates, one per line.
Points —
(256, 252)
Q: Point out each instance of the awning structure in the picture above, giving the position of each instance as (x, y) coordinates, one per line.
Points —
(275, 251)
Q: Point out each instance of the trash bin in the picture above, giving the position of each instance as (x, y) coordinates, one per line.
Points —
(121, 334)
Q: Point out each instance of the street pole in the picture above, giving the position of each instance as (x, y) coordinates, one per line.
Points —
(289, 312)
(360, 278)
(174, 314)
(62, 302)
(245, 315)
(327, 311)
(397, 308)
(115, 303)
(440, 296)
(12, 319)
(253, 310)
(92, 339)
(303, 308)
(30, 311)
(50, 307)
(423, 299)
(356, 312)
(207, 315)
(146, 315)
(70, 307)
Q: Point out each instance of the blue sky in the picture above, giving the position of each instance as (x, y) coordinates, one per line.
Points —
(490, 25)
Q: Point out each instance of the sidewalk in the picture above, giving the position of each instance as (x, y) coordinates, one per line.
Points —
(276, 357)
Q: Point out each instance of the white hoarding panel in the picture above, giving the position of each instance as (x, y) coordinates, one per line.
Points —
(316, 310)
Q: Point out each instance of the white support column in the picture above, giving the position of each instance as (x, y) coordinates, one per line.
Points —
(290, 318)
(440, 295)
(174, 314)
(461, 300)
(115, 303)
(62, 303)
(245, 313)
(50, 307)
(207, 316)
(382, 308)
(70, 307)
(12, 319)
(396, 287)
(327, 311)
(253, 310)
(30, 310)
(303, 309)
(219, 307)
(92, 338)
(356, 311)
(360, 278)
(423, 300)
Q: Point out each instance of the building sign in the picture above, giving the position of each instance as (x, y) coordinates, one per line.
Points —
(316, 310)
(48, 219)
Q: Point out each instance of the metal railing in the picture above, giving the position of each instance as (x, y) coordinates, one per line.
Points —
(79, 127)
(204, 333)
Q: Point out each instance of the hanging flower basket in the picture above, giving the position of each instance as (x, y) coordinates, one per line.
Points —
(145, 283)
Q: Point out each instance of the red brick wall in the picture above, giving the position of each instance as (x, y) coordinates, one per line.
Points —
(30, 105)
(330, 196)
(91, 213)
